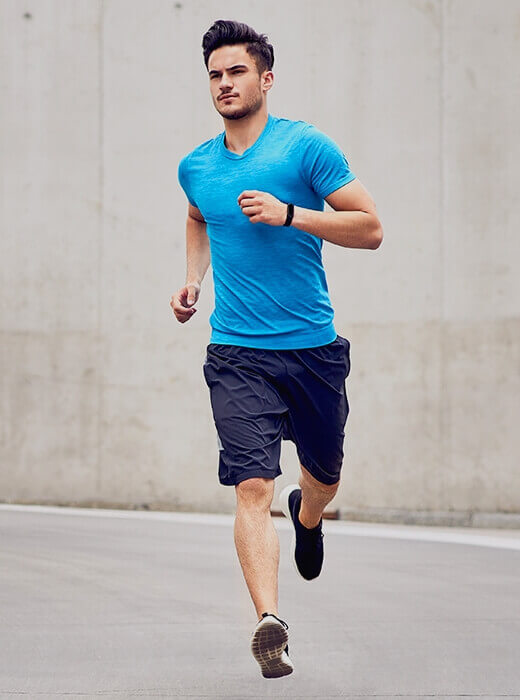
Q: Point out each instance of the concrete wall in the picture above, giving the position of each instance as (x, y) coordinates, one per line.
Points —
(103, 396)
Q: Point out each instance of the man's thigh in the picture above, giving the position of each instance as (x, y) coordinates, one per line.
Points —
(248, 414)
(318, 408)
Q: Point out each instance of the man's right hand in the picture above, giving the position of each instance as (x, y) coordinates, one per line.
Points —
(183, 300)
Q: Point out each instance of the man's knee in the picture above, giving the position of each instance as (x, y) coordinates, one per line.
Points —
(255, 493)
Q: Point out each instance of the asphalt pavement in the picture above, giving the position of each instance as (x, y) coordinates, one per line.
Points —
(124, 604)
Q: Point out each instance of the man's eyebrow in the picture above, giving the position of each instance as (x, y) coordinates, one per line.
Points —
(239, 65)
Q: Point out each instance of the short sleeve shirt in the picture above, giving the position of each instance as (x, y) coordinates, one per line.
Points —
(270, 286)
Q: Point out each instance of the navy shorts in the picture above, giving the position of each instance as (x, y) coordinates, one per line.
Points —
(261, 397)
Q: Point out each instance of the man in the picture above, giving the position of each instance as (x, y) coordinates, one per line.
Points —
(275, 366)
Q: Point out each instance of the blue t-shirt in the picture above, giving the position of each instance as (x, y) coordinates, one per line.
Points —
(270, 286)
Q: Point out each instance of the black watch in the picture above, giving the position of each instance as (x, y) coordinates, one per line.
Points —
(290, 214)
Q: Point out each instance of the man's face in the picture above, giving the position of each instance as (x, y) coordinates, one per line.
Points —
(233, 72)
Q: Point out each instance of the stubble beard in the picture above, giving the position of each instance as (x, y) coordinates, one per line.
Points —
(250, 108)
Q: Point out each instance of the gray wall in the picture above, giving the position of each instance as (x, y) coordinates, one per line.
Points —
(103, 396)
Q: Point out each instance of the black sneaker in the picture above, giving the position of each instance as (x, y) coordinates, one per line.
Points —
(270, 648)
(307, 544)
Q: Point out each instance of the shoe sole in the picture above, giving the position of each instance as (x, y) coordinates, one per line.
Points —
(284, 505)
(268, 643)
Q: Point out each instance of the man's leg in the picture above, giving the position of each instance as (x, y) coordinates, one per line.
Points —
(315, 496)
(256, 542)
(304, 504)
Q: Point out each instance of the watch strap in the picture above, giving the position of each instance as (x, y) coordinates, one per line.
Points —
(290, 214)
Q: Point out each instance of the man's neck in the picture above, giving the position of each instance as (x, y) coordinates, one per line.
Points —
(242, 133)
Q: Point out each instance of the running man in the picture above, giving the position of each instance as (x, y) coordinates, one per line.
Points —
(275, 366)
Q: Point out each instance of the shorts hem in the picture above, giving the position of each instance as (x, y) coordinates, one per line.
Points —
(263, 473)
(319, 474)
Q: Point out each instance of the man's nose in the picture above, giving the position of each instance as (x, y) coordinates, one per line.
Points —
(225, 81)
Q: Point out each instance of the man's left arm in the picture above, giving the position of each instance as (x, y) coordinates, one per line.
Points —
(353, 224)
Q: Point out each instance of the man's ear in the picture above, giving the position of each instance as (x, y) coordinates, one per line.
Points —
(267, 79)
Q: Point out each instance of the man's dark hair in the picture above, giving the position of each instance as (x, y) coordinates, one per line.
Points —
(224, 32)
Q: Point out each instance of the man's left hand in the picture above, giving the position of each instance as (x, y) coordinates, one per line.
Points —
(262, 207)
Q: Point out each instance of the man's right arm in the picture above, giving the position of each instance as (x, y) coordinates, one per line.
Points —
(197, 246)
(197, 263)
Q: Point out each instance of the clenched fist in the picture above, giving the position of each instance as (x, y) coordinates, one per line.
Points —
(183, 300)
(262, 207)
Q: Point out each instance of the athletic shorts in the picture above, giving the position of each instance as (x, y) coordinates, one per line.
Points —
(261, 397)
